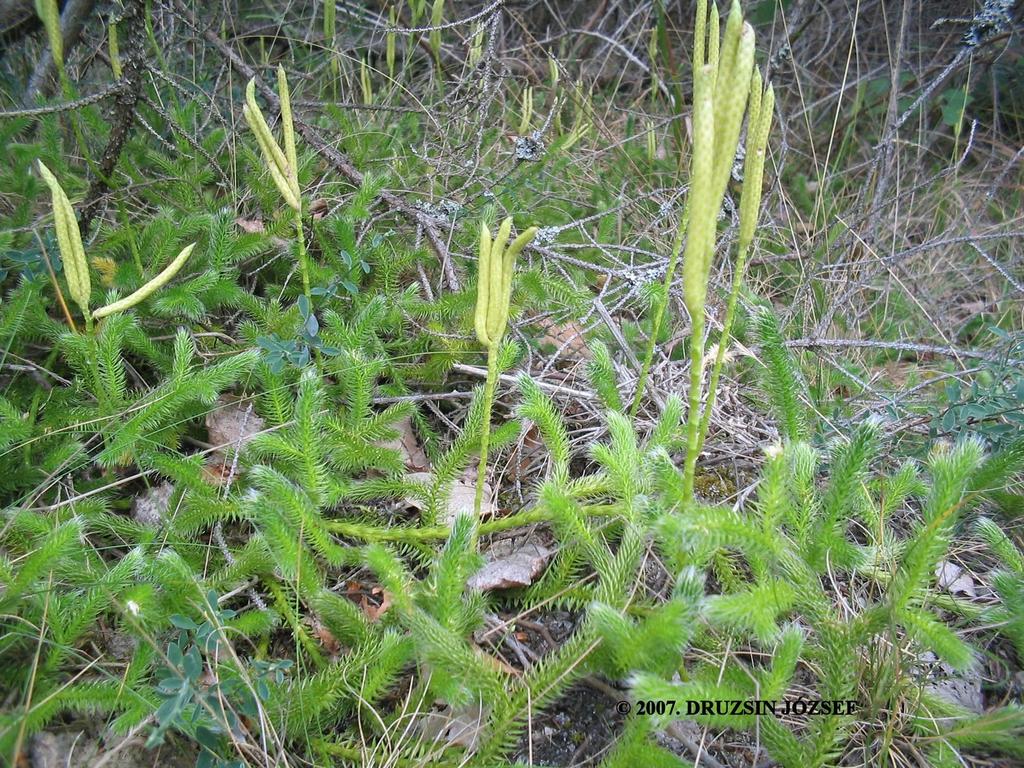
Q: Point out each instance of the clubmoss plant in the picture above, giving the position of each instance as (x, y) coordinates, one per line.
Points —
(758, 126)
(69, 241)
(76, 265)
(1008, 582)
(652, 54)
(330, 19)
(526, 113)
(722, 77)
(722, 82)
(556, 101)
(113, 50)
(365, 84)
(49, 14)
(389, 45)
(476, 47)
(149, 288)
(436, 21)
(494, 290)
(282, 164)
(185, 517)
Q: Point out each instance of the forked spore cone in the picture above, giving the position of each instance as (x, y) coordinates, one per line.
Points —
(496, 267)
(280, 163)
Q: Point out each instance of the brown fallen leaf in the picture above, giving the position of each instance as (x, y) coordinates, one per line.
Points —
(462, 727)
(252, 226)
(232, 423)
(374, 612)
(462, 501)
(328, 641)
(318, 208)
(508, 565)
(408, 446)
(566, 339)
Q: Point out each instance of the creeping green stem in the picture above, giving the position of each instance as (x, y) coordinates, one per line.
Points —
(426, 533)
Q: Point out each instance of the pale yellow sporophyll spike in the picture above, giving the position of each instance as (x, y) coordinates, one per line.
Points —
(723, 79)
(700, 236)
(722, 74)
(732, 87)
(721, 90)
(758, 127)
(69, 241)
(76, 265)
(700, 35)
(389, 46)
(149, 288)
(494, 282)
(282, 164)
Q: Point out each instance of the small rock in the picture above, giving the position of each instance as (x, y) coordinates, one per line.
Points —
(954, 579)
(960, 691)
(232, 424)
(959, 688)
(151, 507)
(461, 726)
(70, 749)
